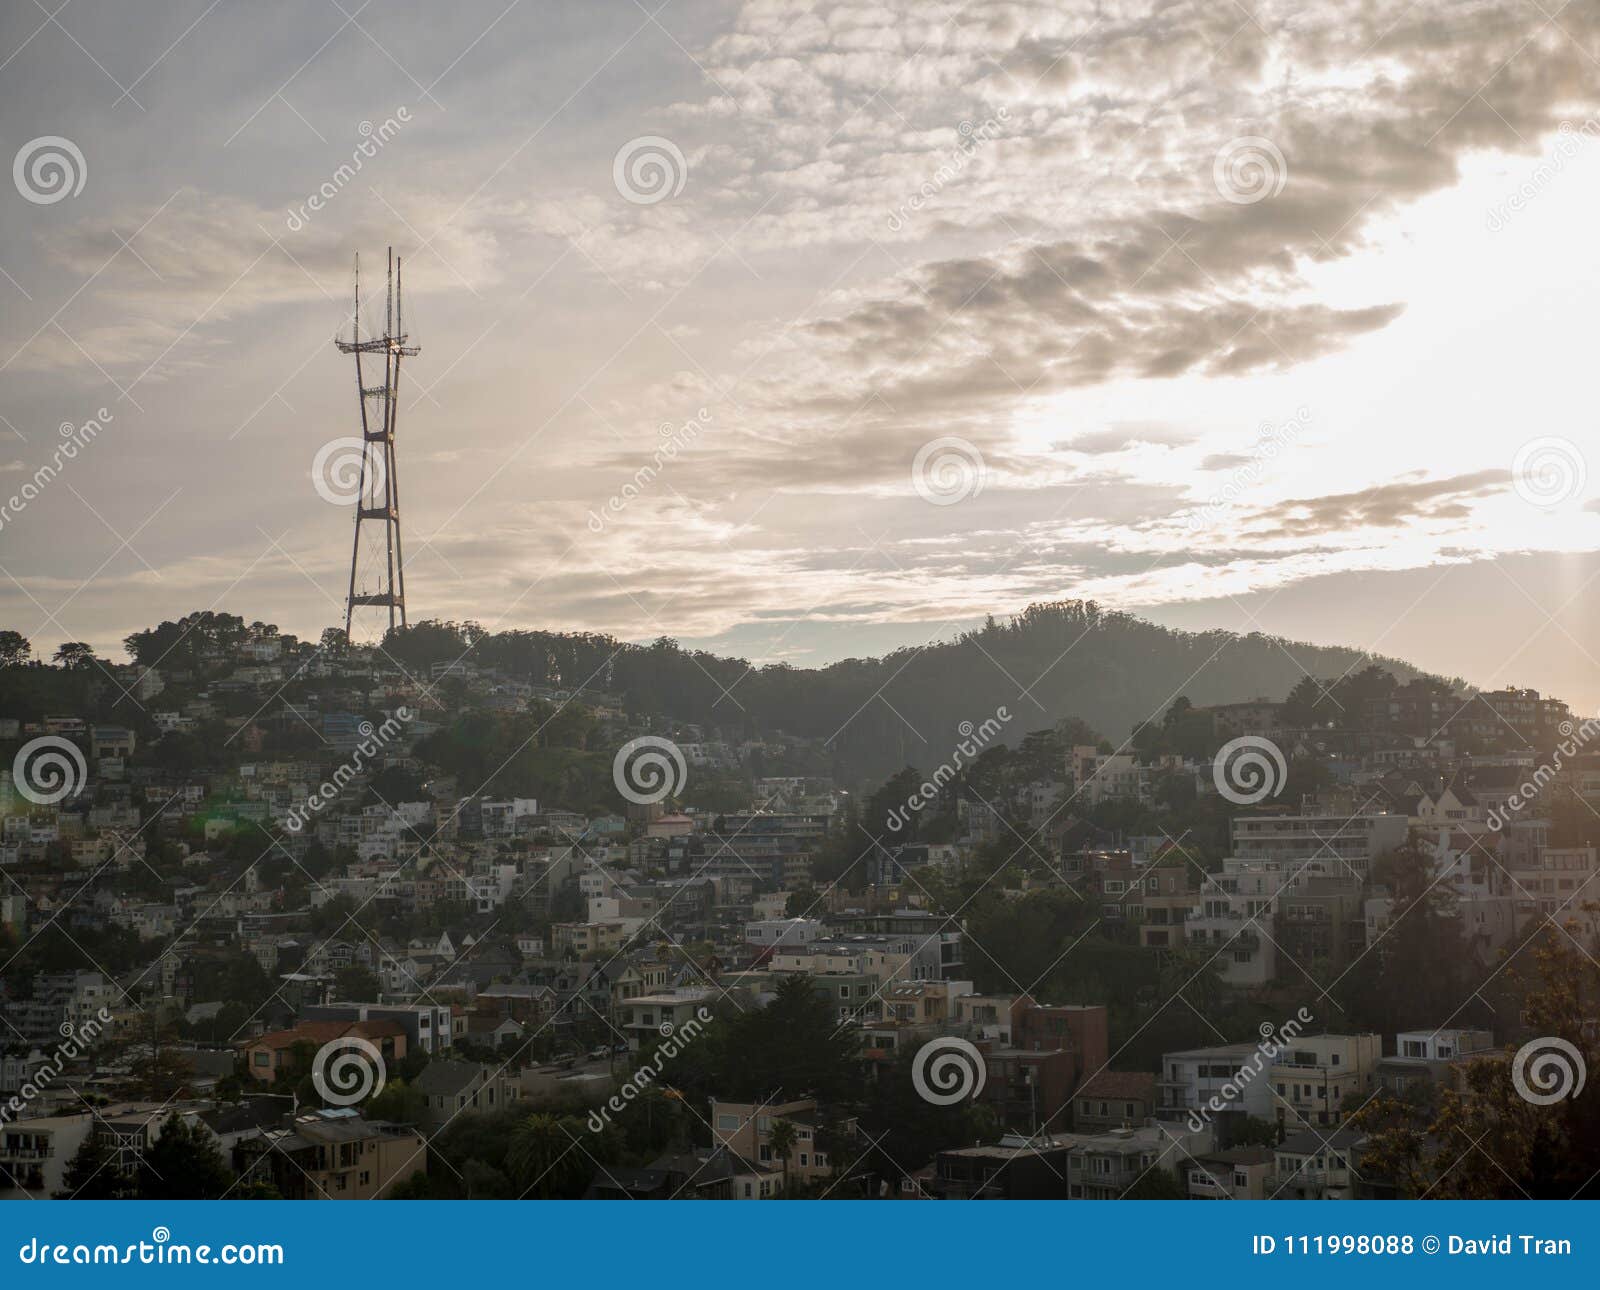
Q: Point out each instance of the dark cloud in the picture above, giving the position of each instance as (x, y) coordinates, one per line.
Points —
(1382, 506)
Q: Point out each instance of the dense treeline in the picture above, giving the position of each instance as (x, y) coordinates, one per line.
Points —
(1063, 659)
(1110, 669)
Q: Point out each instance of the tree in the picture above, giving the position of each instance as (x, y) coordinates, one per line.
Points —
(553, 1158)
(14, 649)
(74, 654)
(795, 1044)
(89, 1175)
(782, 1139)
(184, 1164)
(356, 984)
(1483, 1136)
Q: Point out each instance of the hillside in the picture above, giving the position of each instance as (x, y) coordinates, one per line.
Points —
(1109, 669)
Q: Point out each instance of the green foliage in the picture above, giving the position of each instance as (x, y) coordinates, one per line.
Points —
(917, 1131)
(183, 1164)
(89, 1175)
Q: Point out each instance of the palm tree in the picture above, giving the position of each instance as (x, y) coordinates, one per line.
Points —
(782, 1139)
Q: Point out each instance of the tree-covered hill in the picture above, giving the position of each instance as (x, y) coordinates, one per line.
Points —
(1052, 661)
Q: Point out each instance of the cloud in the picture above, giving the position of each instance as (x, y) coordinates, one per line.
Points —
(1383, 505)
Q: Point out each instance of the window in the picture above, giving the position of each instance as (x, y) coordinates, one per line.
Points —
(802, 1159)
(766, 1152)
(727, 1121)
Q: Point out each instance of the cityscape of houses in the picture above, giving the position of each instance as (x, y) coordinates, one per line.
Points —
(270, 922)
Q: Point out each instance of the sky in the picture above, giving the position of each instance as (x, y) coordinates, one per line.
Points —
(802, 331)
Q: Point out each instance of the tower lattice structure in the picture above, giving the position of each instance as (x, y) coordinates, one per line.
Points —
(378, 492)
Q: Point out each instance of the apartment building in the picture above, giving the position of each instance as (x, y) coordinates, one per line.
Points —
(1328, 841)
(745, 1128)
(1311, 1081)
(427, 1026)
(1241, 1173)
(1114, 1100)
(336, 1154)
(1317, 1166)
(651, 1017)
(1225, 1072)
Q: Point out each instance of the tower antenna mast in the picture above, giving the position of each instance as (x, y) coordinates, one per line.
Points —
(378, 489)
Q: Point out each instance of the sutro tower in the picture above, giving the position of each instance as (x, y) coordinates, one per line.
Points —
(378, 490)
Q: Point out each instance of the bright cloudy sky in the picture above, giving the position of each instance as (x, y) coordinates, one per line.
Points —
(1277, 317)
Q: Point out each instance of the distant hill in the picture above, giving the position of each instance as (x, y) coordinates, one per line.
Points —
(1111, 670)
